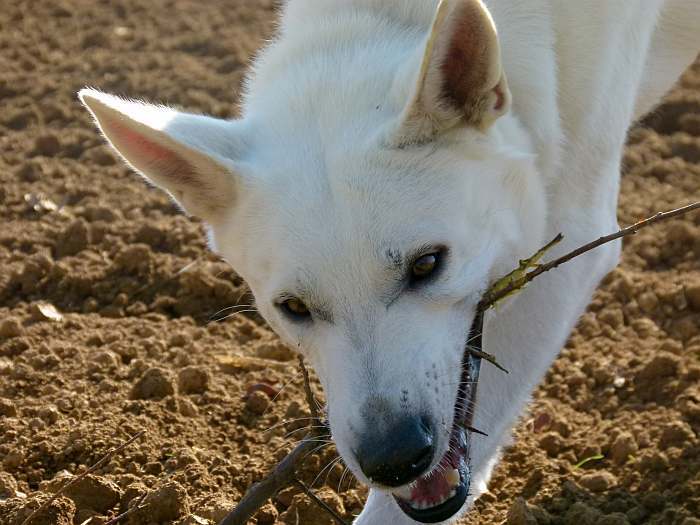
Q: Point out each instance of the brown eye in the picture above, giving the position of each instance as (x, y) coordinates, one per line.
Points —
(424, 266)
(295, 308)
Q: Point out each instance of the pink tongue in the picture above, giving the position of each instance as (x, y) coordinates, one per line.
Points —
(431, 489)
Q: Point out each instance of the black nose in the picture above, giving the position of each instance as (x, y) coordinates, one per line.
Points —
(400, 456)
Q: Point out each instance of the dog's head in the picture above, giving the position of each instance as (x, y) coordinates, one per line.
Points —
(369, 195)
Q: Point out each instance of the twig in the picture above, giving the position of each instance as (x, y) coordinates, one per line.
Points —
(310, 398)
(320, 502)
(92, 469)
(284, 474)
(137, 506)
(490, 299)
(488, 357)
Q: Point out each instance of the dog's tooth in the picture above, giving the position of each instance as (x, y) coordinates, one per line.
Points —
(404, 493)
(452, 477)
(453, 493)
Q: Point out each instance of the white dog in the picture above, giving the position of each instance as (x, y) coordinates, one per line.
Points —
(393, 158)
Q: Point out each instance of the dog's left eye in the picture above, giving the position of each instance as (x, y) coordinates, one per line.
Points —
(295, 309)
(425, 266)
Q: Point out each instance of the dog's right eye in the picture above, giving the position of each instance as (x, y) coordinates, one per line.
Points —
(295, 309)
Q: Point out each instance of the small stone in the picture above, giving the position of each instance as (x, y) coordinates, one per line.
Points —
(104, 360)
(94, 492)
(257, 402)
(11, 327)
(678, 433)
(552, 443)
(277, 351)
(663, 364)
(166, 504)
(178, 339)
(43, 311)
(623, 447)
(8, 485)
(29, 172)
(598, 481)
(216, 509)
(193, 380)
(7, 408)
(187, 408)
(74, 239)
(520, 514)
(13, 459)
(155, 383)
(49, 414)
(613, 317)
(267, 515)
(648, 302)
(47, 145)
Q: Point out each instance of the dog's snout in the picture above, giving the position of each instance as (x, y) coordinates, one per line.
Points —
(400, 455)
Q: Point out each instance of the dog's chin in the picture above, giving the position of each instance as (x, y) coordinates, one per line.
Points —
(439, 495)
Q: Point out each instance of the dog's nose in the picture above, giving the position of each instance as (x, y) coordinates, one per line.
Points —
(400, 456)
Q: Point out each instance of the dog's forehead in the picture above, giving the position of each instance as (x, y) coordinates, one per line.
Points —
(335, 210)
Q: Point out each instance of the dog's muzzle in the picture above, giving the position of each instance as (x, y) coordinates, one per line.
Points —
(438, 495)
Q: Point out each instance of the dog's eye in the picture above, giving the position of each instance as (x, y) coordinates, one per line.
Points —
(295, 308)
(425, 266)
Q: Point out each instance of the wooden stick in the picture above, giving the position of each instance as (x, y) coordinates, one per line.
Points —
(284, 474)
(138, 506)
(92, 469)
(310, 398)
(490, 299)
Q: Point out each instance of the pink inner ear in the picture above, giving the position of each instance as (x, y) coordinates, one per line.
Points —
(148, 155)
(463, 68)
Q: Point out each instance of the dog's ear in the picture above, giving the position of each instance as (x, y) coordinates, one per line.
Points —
(460, 80)
(186, 155)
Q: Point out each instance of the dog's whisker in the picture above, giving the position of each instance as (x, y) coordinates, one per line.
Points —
(342, 477)
(274, 398)
(289, 434)
(287, 422)
(324, 445)
(298, 442)
(250, 310)
(328, 466)
(230, 308)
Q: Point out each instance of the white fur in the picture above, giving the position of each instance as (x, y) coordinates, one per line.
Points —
(317, 195)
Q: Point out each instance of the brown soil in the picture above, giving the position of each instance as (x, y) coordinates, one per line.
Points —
(107, 296)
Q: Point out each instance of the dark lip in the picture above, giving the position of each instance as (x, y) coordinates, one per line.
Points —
(463, 417)
(442, 512)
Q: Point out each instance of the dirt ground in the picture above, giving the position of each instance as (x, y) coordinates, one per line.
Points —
(115, 319)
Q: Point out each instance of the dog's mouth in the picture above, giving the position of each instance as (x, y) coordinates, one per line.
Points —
(440, 494)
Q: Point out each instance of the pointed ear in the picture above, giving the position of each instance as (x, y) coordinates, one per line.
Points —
(460, 79)
(184, 154)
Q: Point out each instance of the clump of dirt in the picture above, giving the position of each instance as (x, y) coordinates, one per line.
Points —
(110, 306)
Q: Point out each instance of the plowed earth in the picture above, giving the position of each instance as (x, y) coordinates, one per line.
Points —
(114, 318)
